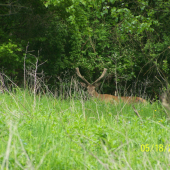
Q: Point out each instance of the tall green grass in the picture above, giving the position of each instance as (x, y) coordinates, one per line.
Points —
(75, 134)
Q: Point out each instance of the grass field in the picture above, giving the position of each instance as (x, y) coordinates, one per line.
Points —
(51, 134)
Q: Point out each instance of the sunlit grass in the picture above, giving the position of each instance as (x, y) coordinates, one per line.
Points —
(77, 134)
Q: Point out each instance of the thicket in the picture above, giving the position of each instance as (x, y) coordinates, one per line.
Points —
(129, 38)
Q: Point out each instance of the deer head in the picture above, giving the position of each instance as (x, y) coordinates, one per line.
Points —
(106, 97)
(91, 87)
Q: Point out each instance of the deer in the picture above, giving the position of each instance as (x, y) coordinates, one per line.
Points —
(105, 97)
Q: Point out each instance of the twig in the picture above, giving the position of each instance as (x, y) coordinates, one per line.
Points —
(136, 112)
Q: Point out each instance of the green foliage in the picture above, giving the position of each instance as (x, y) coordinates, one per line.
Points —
(165, 66)
(9, 56)
(128, 38)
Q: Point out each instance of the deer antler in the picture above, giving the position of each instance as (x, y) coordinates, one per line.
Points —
(103, 74)
(79, 74)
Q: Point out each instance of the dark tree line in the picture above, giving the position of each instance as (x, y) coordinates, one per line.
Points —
(129, 38)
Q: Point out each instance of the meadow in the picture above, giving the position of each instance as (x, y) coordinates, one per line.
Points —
(44, 132)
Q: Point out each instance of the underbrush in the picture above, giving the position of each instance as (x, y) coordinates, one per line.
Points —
(50, 133)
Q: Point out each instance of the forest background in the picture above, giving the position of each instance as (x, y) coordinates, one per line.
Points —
(129, 38)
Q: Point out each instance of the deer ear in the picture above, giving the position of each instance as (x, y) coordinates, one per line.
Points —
(83, 84)
(97, 84)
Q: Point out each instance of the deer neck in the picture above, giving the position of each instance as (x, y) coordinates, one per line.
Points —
(96, 94)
